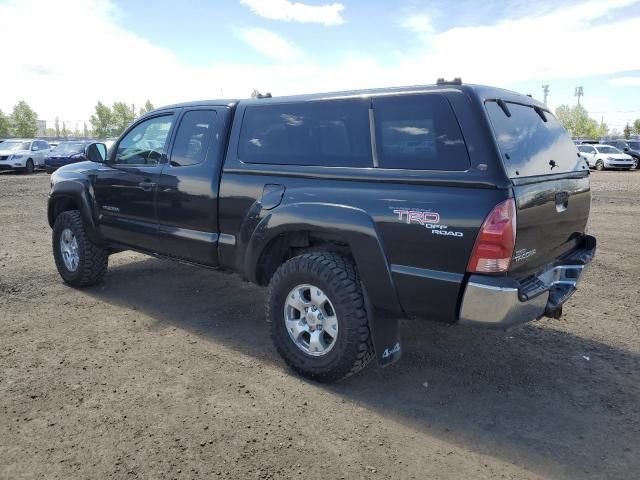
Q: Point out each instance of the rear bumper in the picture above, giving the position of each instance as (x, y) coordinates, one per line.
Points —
(502, 302)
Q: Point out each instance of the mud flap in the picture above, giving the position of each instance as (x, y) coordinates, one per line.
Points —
(385, 334)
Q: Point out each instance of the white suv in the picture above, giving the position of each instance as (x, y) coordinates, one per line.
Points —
(605, 156)
(23, 154)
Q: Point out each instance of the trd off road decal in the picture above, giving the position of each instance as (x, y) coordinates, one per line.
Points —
(429, 220)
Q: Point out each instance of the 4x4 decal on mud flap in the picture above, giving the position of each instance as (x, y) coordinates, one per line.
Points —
(429, 220)
(391, 351)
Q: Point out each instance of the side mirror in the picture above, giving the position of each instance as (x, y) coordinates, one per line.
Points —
(97, 152)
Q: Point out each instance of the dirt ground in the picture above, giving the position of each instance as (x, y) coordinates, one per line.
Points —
(166, 371)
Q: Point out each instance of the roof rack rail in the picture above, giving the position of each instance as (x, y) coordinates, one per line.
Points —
(264, 95)
(455, 81)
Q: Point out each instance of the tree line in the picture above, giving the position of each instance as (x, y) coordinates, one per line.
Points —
(578, 123)
(105, 122)
(22, 122)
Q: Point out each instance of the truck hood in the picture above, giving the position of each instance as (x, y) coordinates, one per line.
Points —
(74, 170)
(13, 152)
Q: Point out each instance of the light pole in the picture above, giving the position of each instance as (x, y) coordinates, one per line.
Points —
(545, 90)
(579, 93)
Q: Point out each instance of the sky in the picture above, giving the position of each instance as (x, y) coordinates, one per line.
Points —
(64, 56)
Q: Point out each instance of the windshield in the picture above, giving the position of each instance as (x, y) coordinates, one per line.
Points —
(608, 150)
(529, 145)
(13, 146)
(69, 148)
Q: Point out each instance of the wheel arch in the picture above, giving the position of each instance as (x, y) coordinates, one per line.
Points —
(73, 195)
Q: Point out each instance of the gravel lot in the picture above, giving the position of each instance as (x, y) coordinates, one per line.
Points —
(166, 371)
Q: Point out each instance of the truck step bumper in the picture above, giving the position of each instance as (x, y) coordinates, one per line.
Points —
(499, 302)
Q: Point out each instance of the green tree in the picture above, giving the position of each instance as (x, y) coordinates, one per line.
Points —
(102, 121)
(122, 115)
(577, 121)
(148, 106)
(627, 130)
(5, 125)
(636, 126)
(24, 120)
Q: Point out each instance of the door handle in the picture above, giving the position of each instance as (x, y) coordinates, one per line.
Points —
(147, 186)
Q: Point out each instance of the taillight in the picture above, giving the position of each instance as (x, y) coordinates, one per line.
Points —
(496, 240)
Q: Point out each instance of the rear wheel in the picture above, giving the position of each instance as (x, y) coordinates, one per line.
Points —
(316, 316)
(599, 165)
(80, 262)
(29, 167)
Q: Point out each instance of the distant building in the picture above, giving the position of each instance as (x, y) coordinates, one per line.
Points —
(42, 128)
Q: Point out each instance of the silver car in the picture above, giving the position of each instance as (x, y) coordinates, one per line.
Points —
(604, 156)
(23, 154)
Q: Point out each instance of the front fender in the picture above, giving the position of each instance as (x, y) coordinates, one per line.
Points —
(359, 231)
(79, 194)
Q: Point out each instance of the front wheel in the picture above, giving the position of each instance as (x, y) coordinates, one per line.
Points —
(29, 166)
(600, 165)
(80, 262)
(317, 318)
(635, 163)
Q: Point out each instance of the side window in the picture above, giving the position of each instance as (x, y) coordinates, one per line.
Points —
(418, 132)
(146, 143)
(35, 146)
(330, 133)
(583, 149)
(592, 150)
(195, 136)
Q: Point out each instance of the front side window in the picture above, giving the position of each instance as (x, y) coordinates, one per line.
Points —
(331, 133)
(195, 136)
(146, 143)
(418, 132)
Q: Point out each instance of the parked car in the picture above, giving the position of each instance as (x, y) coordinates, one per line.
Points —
(65, 153)
(630, 147)
(23, 154)
(458, 203)
(600, 156)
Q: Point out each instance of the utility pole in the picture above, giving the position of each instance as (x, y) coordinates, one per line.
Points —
(545, 90)
(579, 93)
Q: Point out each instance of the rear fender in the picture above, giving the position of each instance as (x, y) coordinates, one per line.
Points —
(358, 230)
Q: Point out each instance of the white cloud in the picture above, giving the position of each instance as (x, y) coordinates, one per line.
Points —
(105, 62)
(270, 44)
(418, 24)
(625, 82)
(327, 14)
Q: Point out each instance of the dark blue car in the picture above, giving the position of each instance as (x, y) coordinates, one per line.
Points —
(72, 151)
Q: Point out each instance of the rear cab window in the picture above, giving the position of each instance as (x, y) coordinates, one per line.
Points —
(418, 132)
(529, 145)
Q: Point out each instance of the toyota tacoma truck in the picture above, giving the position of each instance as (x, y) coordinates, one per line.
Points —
(451, 202)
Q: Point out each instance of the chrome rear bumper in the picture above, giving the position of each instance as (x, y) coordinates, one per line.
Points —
(502, 302)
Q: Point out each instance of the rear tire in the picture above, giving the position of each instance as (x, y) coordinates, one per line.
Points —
(335, 279)
(80, 262)
(599, 165)
(29, 167)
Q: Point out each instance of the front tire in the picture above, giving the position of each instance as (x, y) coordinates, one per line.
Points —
(636, 163)
(599, 165)
(29, 167)
(79, 261)
(317, 318)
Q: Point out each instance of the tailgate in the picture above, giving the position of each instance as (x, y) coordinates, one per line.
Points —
(550, 183)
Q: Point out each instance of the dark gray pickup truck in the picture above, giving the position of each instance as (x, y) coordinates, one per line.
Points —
(450, 202)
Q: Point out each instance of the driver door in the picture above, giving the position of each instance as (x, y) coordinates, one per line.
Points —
(126, 185)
